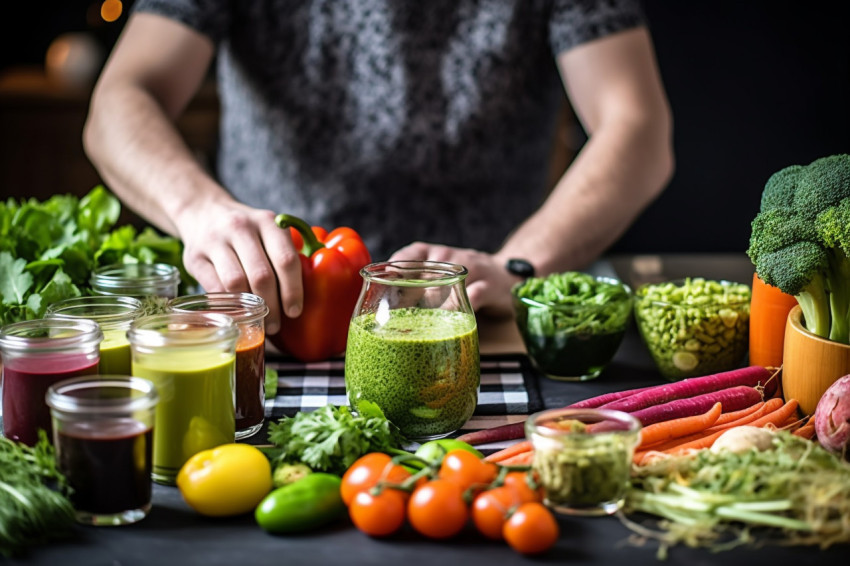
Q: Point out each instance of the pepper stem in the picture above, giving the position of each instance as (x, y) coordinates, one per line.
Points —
(311, 242)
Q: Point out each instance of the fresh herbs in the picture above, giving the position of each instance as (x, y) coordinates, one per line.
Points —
(331, 438)
(48, 249)
(30, 511)
(795, 493)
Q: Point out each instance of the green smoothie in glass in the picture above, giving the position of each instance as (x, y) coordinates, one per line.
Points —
(421, 366)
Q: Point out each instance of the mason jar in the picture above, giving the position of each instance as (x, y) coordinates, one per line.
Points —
(113, 314)
(136, 280)
(413, 347)
(36, 354)
(249, 312)
(103, 435)
(191, 359)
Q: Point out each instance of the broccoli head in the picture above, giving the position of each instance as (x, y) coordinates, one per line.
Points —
(801, 238)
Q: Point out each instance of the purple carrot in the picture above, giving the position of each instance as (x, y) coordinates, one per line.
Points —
(600, 400)
(732, 399)
(753, 376)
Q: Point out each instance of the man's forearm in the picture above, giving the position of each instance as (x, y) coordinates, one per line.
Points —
(138, 152)
(621, 169)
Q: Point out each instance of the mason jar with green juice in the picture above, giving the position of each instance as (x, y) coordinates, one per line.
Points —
(191, 359)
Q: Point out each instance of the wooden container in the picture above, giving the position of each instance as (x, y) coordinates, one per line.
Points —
(810, 363)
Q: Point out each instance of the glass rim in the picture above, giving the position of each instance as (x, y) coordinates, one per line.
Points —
(641, 290)
(85, 333)
(448, 273)
(577, 307)
(130, 309)
(168, 329)
(149, 274)
(59, 398)
(632, 424)
(241, 307)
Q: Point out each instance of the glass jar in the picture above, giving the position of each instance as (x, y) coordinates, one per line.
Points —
(249, 312)
(136, 280)
(583, 458)
(191, 358)
(113, 315)
(413, 347)
(102, 431)
(36, 354)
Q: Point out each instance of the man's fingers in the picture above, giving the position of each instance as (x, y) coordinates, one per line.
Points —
(286, 263)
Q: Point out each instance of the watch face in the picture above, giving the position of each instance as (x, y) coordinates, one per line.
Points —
(520, 267)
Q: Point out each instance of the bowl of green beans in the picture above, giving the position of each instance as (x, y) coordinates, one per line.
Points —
(572, 323)
(694, 326)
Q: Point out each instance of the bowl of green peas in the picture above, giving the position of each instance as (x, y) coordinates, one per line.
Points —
(694, 326)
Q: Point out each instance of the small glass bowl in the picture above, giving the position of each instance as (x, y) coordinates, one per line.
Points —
(694, 327)
(573, 342)
(583, 458)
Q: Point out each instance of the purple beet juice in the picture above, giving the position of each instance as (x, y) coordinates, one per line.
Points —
(25, 382)
(107, 463)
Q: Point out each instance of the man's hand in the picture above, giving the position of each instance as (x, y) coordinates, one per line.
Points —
(232, 247)
(488, 284)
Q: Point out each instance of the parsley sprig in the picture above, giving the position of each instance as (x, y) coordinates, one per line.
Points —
(332, 438)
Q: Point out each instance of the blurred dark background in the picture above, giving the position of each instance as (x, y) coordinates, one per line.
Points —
(755, 86)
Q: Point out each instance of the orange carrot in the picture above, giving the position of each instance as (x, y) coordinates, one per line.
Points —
(735, 415)
(677, 428)
(778, 416)
(512, 450)
(520, 459)
(806, 431)
(769, 308)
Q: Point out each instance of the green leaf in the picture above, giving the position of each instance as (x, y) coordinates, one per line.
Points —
(15, 281)
(59, 287)
(98, 211)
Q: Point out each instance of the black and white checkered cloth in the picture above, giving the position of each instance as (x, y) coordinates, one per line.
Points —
(508, 393)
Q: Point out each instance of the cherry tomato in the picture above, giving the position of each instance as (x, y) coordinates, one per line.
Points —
(367, 471)
(531, 529)
(466, 470)
(378, 515)
(437, 509)
(490, 510)
(518, 482)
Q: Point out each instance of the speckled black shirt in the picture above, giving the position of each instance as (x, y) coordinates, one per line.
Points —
(404, 119)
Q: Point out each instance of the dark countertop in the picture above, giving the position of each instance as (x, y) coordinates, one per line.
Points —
(174, 534)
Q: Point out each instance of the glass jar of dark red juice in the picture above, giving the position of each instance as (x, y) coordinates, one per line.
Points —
(36, 354)
(103, 434)
(249, 312)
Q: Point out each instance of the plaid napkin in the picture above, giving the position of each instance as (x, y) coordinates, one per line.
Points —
(508, 393)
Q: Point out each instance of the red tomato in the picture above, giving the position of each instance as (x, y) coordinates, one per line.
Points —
(490, 510)
(437, 509)
(367, 471)
(531, 529)
(378, 515)
(518, 482)
(467, 470)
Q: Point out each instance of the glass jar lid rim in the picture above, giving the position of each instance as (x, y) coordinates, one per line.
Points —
(111, 309)
(84, 333)
(170, 329)
(632, 424)
(446, 273)
(147, 274)
(242, 307)
(59, 396)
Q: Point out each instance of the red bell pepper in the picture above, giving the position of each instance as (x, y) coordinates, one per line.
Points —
(330, 272)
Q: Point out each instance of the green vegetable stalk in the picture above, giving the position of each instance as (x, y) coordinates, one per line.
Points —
(800, 241)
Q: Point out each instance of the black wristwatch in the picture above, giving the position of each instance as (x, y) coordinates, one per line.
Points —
(520, 268)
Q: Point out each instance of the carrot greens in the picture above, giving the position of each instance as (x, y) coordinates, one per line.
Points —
(793, 493)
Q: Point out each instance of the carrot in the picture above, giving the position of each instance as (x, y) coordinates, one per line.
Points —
(733, 399)
(600, 400)
(676, 428)
(778, 416)
(769, 308)
(806, 431)
(735, 415)
(520, 459)
(512, 450)
(751, 376)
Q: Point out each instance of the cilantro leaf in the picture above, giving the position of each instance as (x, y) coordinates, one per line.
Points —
(16, 281)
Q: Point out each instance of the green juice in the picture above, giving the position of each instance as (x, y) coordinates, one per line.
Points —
(421, 366)
(196, 407)
(115, 353)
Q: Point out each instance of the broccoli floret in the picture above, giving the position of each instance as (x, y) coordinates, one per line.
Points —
(800, 241)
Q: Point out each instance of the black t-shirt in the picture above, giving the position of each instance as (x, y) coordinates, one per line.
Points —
(404, 119)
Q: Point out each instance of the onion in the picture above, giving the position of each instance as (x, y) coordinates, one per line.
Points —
(832, 418)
